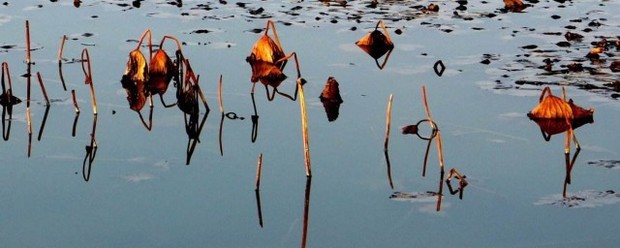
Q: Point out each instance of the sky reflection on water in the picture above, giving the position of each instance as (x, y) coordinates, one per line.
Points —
(141, 194)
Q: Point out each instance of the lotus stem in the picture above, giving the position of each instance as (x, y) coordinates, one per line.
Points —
(146, 32)
(161, 44)
(304, 128)
(62, 46)
(88, 78)
(27, 42)
(388, 118)
(259, 167)
(75, 104)
(219, 95)
(47, 100)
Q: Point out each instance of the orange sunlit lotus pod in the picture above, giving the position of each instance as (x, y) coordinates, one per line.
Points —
(161, 72)
(514, 5)
(594, 52)
(137, 68)
(553, 107)
(134, 80)
(267, 50)
(376, 43)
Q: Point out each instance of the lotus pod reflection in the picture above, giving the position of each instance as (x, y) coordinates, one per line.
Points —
(331, 99)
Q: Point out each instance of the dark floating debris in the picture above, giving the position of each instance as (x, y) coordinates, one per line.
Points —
(572, 36)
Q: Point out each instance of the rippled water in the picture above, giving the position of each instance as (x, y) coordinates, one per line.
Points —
(141, 193)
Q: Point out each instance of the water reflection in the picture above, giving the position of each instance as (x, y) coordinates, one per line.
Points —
(91, 152)
(7, 100)
(434, 134)
(376, 44)
(304, 235)
(268, 60)
(555, 115)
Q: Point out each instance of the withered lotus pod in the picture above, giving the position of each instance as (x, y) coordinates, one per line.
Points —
(267, 73)
(514, 5)
(266, 50)
(553, 107)
(376, 43)
(137, 67)
(161, 72)
(134, 80)
(330, 97)
(331, 91)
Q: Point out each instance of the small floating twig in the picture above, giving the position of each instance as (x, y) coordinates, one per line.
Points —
(388, 117)
(259, 166)
(304, 128)
(47, 100)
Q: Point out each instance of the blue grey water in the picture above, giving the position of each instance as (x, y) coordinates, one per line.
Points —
(141, 193)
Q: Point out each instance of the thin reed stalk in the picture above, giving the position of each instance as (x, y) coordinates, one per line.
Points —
(388, 118)
(47, 100)
(61, 48)
(219, 95)
(27, 42)
(259, 167)
(304, 128)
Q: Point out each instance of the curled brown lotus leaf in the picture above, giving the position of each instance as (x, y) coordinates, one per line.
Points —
(161, 72)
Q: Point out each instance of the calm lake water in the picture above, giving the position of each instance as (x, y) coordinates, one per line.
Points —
(141, 193)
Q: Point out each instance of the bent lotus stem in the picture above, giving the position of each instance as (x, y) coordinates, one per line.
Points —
(88, 78)
(144, 34)
(161, 43)
(274, 31)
